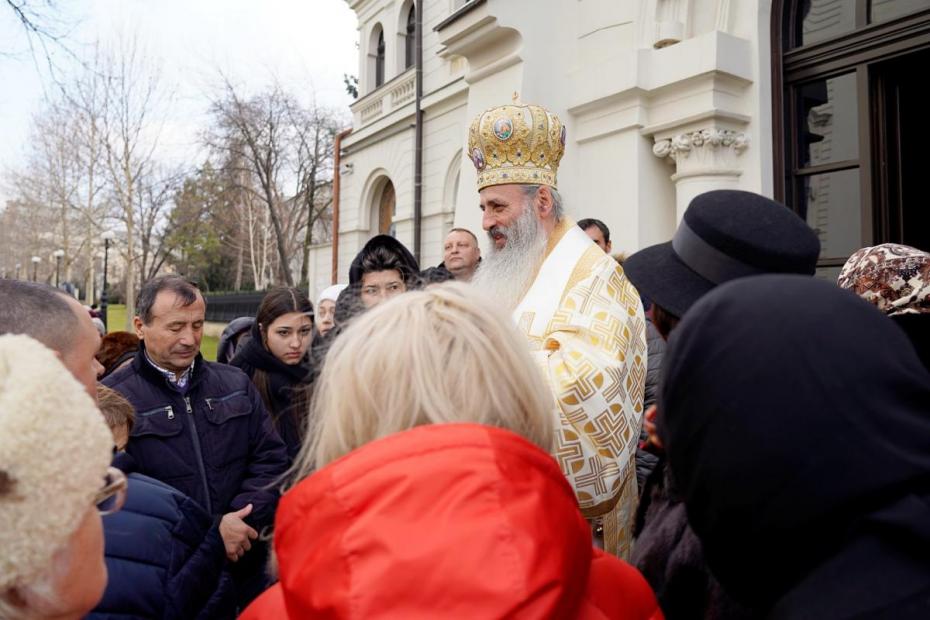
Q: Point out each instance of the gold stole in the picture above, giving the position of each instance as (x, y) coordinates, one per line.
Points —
(567, 246)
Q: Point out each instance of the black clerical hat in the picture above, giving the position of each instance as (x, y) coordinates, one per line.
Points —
(724, 235)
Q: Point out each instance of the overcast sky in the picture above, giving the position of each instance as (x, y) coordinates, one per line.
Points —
(306, 44)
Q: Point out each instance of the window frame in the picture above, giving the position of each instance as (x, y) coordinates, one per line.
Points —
(856, 51)
(380, 56)
(410, 40)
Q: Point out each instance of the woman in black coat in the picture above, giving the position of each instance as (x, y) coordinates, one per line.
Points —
(796, 420)
(276, 359)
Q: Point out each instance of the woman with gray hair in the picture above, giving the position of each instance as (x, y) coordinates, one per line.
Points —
(54, 485)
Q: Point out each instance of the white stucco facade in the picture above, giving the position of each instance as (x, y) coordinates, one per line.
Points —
(662, 100)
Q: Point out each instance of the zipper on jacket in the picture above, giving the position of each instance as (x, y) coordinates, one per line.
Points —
(223, 399)
(197, 450)
(167, 409)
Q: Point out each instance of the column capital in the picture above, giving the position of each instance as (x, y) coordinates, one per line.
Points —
(713, 143)
(705, 158)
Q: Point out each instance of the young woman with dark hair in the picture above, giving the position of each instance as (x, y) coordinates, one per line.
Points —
(276, 358)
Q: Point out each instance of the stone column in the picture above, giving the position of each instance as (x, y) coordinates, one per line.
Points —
(705, 159)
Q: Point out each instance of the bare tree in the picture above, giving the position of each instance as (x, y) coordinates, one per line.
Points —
(129, 136)
(154, 195)
(315, 131)
(61, 176)
(85, 97)
(273, 142)
(46, 29)
(254, 134)
(42, 23)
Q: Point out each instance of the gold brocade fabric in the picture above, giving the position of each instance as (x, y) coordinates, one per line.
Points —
(593, 356)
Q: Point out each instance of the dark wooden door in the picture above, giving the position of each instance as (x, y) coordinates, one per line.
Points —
(386, 209)
(902, 130)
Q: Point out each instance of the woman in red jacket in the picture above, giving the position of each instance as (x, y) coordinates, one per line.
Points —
(434, 494)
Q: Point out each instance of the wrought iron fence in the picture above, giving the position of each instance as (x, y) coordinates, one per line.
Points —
(226, 307)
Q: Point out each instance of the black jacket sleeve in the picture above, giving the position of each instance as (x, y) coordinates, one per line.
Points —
(646, 461)
(267, 465)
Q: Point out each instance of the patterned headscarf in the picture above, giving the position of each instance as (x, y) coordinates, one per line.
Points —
(895, 278)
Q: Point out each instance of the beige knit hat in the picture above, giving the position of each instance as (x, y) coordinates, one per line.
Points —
(54, 451)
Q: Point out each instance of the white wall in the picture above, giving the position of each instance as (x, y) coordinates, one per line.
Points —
(592, 62)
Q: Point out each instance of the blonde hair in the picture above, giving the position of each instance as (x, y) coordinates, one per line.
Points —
(425, 357)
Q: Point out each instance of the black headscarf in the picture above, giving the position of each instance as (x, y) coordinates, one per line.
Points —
(796, 418)
(405, 263)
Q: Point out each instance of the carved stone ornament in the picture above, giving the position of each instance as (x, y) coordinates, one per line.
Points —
(684, 143)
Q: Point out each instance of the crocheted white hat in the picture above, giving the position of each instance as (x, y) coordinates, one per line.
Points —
(54, 453)
(331, 293)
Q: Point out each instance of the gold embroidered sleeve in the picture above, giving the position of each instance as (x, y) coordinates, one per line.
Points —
(593, 357)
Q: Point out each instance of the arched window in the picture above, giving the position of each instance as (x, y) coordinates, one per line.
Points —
(379, 60)
(411, 38)
(848, 123)
(387, 210)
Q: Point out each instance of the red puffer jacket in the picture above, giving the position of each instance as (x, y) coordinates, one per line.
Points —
(444, 521)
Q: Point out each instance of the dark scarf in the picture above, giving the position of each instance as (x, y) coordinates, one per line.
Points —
(796, 419)
(408, 266)
(283, 380)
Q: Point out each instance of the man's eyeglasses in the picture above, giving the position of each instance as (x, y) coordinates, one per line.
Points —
(111, 497)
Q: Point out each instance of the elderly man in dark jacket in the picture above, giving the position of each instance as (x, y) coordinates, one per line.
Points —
(201, 427)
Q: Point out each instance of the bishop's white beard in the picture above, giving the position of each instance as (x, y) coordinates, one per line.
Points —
(506, 274)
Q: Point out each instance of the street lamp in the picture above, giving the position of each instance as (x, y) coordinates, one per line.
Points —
(58, 254)
(107, 236)
(35, 265)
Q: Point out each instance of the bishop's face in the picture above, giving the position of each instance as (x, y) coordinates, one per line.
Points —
(518, 243)
(502, 206)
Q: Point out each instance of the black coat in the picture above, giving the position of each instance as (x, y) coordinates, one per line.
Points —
(917, 328)
(796, 420)
(669, 555)
(285, 381)
(214, 442)
(655, 344)
(165, 558)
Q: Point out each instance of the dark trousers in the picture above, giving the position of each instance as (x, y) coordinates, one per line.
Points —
(250, 574)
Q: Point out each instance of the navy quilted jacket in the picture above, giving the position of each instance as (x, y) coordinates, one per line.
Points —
(165, 558)
(214, 441)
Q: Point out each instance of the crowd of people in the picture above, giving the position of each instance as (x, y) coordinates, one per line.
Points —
(703, 429)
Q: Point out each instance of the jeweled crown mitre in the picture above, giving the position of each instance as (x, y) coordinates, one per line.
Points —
(516, 144)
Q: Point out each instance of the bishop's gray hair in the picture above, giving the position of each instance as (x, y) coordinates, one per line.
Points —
(530, 192)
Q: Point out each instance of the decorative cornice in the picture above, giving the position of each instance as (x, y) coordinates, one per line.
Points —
(684, 143)
(469, 6)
